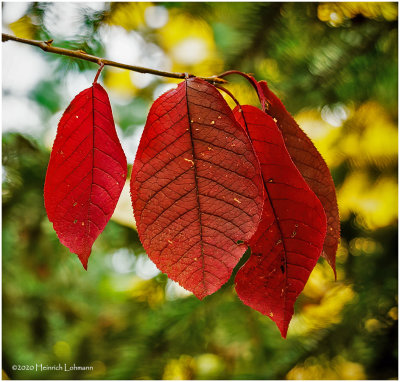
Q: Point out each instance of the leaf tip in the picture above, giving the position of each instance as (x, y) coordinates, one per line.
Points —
(84, 258)
(283, 329)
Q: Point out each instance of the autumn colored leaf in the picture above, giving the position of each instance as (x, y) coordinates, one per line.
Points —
(86, 172)
(289, 239)
(196, 187)
(312, 166)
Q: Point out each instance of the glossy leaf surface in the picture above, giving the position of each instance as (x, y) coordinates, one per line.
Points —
(86, 172)
(196, 187)
(313, 168)
(291, 233)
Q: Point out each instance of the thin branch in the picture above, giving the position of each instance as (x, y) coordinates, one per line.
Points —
(48, 47)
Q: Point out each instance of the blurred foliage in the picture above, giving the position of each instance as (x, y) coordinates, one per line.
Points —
(335, 67)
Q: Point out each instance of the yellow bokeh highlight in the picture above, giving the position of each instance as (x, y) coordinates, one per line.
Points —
(336, 13)
(189, 42)
(208, 366)
(375, 201)
(364, 246)
(62, 350)
(394, 313)
(373, 325)
(147, 291)
(99, 369)
(328, 311)
(269, 68)
(243, 92)
(179, 369)
(321, 369)
(129, 15)
(328, 298)
(370, 136)
(320, 281)
(323, 135)
(123, 213)
(119, 80)
(23, 28)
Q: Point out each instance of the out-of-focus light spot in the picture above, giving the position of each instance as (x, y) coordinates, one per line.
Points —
(190, 51)
(23, 28)
(62, 350)
(148, 291)
(155, 58)
(12, 11)
(141, 80)
(130, 48)
(122, 46)
(312, 123)
(325, 311)
(335, 115)
(23, 68)
(95, 6)
(123, 213)
(119, 84)
(74, 82)
(156, 16)
(99, 369)
(321, 369)
(51, 129)
(3, 174)
(361, 245)
(161, 89)
(174, 291)
(63, 20)
(374, 202)
(208, 366)
(352, 371)
(336, 13)
(373, 325)
(21, 115)
(269, 68)
(123, 261)
(130, 143)
(393, 313)
(334, 17)
(318, 283)
(145, 268)
(179, 369)
(129, 15)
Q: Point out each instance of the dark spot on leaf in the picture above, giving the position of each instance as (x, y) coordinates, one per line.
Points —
(282, 269)
(240, 242)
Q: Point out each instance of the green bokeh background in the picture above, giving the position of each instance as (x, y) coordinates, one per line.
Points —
(335, 67)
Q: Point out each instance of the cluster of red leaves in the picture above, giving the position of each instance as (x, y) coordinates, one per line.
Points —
(206, 184)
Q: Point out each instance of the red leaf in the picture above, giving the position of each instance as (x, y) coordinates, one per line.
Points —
(86, 172)
(313, 168)
(291, 233)
(196, 187)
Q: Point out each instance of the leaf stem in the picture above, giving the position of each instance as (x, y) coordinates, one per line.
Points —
(48, 47)
(99, 71)
(229, 94)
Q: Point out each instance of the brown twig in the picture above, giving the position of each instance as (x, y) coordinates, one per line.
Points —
(48, 47)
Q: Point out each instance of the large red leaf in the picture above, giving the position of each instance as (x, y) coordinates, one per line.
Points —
(289, 239)
(196, 187)
(312, 166)
(86, 172)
